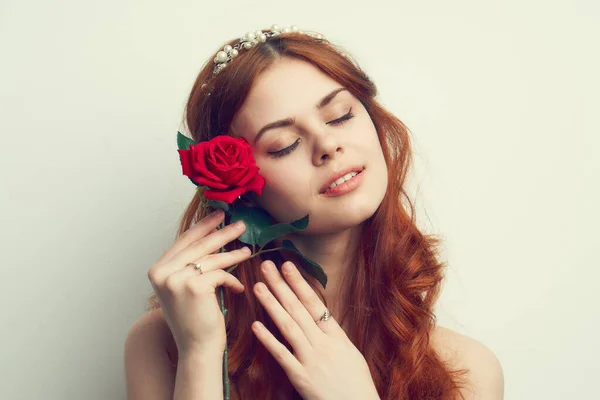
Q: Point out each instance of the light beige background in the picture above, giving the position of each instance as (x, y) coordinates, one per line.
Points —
(501, 97)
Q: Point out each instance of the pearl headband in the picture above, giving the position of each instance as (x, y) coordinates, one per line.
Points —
(250, 40)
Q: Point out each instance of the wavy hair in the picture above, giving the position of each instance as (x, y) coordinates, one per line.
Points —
(394, 281)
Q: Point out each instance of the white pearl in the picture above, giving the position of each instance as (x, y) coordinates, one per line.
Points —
(286, 30)
(221, 56)
(294, 28)
(227, 48)
(249, 36)
(262, 38)
(275, 28)
(233, 53)
(247, 45)
(319, 36)
(258, 33)
(301, 31)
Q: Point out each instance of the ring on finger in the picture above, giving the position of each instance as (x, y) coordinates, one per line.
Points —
(326, 315)
(196, 266)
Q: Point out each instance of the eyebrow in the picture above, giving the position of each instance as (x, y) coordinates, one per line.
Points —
(289, 121)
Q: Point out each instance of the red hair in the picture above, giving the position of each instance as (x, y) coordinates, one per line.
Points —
(392, 286)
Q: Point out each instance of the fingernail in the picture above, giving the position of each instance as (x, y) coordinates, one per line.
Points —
(267, 266)
(288, 268)
(245, 249)
(239, 224)
(261, 288)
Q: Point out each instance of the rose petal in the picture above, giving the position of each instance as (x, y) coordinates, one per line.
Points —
(256, 185)
(244, 152)
(220, 147)
(186, 162)
(218, 158)
(225, 165)
(199, 162)
(235, 176)
(231, 160)
(217, 165)
(232, 151)
(250, 174)
(210, 183)
(228, 196)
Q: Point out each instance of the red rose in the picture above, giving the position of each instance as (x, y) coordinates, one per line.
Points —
(225, 165)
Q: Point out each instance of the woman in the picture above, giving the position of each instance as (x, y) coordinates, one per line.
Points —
(383, 274)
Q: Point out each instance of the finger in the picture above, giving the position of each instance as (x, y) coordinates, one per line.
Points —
(290, 302)
(309, 299)
(288, 362)
(213, 262)
(209, 233)
(196, 232)
(196, 283)
(207, 245)
(286, 324)
(207, 263)
(223, 260)
(206, 284)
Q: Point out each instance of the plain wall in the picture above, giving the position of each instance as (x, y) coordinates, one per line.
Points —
(502, 102)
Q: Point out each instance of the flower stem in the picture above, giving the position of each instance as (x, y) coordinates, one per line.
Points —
(224, 311)
(225, 369)
(226, 390)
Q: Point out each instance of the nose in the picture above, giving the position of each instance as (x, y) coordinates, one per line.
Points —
(326, 146)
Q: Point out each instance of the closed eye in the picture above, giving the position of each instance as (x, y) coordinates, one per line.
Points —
(289, 149)
(342, 119)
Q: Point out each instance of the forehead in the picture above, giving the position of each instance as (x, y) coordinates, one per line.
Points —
(289, 88)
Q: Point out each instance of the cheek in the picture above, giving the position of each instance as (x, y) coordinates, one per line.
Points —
(368, 132)
(287, 184)
(286, 190)
(370, 142)
(284, 184)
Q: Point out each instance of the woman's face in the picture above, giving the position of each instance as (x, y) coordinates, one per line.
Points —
(316, 147)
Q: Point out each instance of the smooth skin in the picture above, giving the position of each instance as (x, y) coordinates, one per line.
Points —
(325, 364)
(192, 314)
(184, 291)
(327, 355)
(321, 141)
(150, 376)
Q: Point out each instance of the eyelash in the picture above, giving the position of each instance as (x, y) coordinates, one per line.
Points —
(336, 122)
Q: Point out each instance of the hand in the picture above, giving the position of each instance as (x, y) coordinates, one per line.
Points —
(187, 297)
(325, 365)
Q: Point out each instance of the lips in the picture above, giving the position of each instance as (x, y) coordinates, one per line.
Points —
(337, 175)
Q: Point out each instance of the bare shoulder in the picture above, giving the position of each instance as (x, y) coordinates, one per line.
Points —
(463, 352)
(152, 329)
(149, 371)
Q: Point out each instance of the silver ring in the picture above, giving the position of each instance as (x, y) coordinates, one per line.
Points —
(196, 266)
(326, 315)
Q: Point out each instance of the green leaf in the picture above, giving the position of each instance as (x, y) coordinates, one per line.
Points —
(218, 204)
(283, 229)
(256, 220)
(311, 267)
(184, 142)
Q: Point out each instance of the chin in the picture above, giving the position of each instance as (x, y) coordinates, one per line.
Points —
(348, 217)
